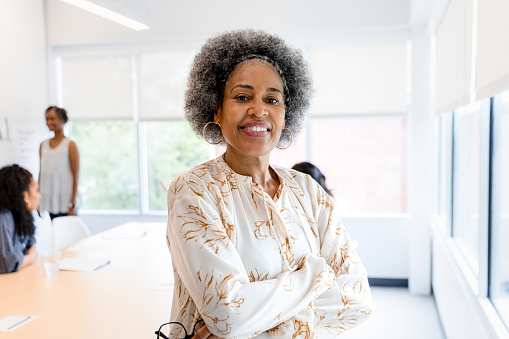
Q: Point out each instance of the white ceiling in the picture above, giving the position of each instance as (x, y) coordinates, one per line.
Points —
(68, 25)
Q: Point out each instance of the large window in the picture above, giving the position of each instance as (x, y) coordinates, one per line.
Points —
(127, 120)
(466, 189)
(500, 207)
(124, 165)
(365, 160)
(479, 152)
(112, 170)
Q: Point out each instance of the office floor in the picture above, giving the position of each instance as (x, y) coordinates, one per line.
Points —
(399, 315)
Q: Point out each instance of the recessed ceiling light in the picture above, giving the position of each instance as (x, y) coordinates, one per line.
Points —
(108, 14)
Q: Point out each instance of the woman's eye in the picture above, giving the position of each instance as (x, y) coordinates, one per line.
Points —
(242, 97)
(272, 100)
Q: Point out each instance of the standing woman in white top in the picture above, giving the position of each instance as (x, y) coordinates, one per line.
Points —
(60, 166)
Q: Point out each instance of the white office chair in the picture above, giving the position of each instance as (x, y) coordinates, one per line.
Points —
(68, 230)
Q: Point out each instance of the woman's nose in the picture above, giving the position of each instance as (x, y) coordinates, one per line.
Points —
(258, 108)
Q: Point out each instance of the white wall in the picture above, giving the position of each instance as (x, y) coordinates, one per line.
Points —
(383, 244)
(23, 82)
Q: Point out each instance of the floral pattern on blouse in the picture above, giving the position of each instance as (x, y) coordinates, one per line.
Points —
(252, 266)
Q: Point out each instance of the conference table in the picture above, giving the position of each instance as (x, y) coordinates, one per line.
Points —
(128, 298)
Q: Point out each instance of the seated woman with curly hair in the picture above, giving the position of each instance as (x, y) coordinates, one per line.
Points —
(19, 196)
(258, 250)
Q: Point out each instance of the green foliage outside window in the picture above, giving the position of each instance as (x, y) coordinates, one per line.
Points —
(172, 148)
(109, 171)
(108, 164)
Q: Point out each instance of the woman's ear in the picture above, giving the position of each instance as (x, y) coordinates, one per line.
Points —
(26, 196)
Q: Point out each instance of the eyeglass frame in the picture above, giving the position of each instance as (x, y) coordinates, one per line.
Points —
(160, 334)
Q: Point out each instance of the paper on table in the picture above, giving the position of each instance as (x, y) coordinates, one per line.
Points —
(13, 322)
(82, 264)
(89, 246)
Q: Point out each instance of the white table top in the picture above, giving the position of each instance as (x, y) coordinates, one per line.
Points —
(128, 298)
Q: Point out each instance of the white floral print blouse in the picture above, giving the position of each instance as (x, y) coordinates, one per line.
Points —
(253, 266)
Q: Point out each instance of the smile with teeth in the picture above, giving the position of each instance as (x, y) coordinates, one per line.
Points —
(256, 129)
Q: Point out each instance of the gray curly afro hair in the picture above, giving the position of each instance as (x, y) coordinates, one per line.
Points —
(218, 58)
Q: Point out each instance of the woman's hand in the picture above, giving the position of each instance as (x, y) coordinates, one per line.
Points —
(32, 252)
(72, 211)
(204, 333)
(30, 257)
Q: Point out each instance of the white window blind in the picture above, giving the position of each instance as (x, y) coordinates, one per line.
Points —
(362, 78)
(97, 87)
(492, 72)
(453, 56)
(162, 81)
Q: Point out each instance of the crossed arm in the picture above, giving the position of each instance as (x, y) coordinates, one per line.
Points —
(326, 294)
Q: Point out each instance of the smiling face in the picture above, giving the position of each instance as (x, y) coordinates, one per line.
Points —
(53, 121)
(252, 115)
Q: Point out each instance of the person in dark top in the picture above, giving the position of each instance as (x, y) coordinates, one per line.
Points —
(314, 172)
(19, 196)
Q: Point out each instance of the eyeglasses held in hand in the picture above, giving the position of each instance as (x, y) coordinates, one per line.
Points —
(160, 333)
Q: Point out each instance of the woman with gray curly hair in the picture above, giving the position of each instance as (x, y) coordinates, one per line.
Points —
(258, 250)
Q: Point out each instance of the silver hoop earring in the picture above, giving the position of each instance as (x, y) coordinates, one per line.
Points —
(291, 139)
(203, 133)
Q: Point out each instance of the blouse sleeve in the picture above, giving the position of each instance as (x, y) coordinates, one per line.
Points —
(11, 253)
(348, 302)
(212, 271)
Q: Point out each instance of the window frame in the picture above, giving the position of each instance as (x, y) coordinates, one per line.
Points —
(478, 281)
(500, 306)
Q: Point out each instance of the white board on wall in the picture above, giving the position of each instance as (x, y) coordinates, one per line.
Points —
(19, 142)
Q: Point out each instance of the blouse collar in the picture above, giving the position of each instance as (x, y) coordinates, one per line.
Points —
(239, 178)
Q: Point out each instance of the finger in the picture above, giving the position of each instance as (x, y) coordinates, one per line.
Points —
(203, 333)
